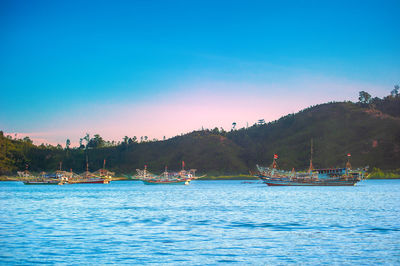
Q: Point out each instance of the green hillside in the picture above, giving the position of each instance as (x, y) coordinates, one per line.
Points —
(369, 131)
(372, 138)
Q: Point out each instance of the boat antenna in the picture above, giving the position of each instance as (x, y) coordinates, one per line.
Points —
(311, 157)
(104, 164)
(60, 165)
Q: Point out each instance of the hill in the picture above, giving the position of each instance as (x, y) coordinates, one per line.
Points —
(372, 137)
(370, 132)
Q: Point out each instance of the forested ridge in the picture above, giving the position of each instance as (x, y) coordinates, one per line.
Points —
(369, 130)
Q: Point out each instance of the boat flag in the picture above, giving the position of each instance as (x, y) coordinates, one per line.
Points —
(275, 156)
(145, 166)
(348, 155)
(183, 164)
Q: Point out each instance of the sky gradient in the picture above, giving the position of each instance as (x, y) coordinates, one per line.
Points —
(162, 68)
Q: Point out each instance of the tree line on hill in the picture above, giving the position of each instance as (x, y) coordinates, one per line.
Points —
(368, 129)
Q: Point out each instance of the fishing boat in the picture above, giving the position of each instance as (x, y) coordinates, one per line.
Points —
(43, 179)
(183, 177)
(42, 182)
(165, 182)
(101, 176)
(88, 178)
(272, 176)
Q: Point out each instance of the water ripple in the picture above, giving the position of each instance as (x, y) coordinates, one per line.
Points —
(206, 223)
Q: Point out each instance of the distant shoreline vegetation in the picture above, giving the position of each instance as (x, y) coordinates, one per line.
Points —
(377, 173)
(369, 130)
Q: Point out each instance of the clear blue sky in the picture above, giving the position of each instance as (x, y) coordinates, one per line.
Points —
(70, 67)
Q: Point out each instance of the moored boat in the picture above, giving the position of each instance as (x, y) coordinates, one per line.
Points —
(88, 178)
(167, 178)
(41, 182)
(272, 176)
(101, 176)
(321, 180)
(165, 182)
(42, 179)
(88, 181)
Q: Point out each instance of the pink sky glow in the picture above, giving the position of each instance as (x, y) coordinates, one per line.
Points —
(208, 106)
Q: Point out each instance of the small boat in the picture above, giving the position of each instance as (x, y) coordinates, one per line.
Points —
(88, 178)
(89, 181)
(101, 176)
(42, 182)
(44, 179)
(182, 177)
(165, 182)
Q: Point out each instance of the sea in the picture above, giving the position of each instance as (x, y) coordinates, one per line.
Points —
(204, 223)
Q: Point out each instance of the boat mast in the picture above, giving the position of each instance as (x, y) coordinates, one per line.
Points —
(348, 165)
(87, 163)
(274, 164)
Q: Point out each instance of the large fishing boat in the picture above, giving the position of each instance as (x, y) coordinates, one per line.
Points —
(183, 177)
(272, 176)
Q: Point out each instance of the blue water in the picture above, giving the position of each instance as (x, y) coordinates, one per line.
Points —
(207, 222)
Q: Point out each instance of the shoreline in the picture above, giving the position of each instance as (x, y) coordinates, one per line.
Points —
(207, 178)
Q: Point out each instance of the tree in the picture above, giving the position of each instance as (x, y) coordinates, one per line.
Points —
(261, 122)
(96, 142)
(233, 125)
(364, 98)
(67, 143)
(81, 146)
(27, 140)
(215, 130)
(395, 91)
(126, 138)
(87, 139)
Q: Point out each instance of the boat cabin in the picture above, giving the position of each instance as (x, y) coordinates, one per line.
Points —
(331, 171)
